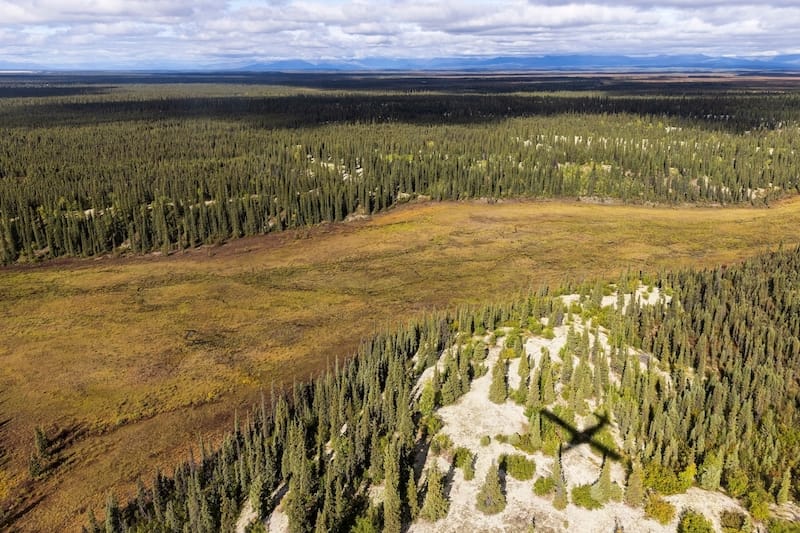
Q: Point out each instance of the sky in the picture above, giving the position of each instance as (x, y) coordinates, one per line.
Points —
(216, 33)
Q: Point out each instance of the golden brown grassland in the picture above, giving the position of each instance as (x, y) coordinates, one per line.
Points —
(128, 362)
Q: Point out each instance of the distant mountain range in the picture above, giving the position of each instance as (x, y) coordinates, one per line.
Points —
(6, 66)
(548, 62)
(574, 62)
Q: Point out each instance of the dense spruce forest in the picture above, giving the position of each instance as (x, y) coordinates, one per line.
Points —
(108, 166)
(702, 386)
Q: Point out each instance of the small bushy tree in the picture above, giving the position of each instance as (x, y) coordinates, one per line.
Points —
(693, 522)
(518, 466)
(659, 509)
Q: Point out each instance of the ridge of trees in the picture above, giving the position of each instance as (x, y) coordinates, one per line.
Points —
(94, 174)
(715, 405)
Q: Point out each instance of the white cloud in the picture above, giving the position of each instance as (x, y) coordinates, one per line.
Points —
(148, 32)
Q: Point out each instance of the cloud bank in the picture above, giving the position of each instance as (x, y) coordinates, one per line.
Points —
(207, 33)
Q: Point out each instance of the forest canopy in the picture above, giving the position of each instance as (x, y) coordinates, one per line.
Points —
(107, 168)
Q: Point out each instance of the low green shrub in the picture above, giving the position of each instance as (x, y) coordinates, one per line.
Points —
(465, 460)
(659, 509)
(543, 486)
(582, 497)
(433, 424)
(778, 525)
(518, 466)
(441, 443)
(733, 521)
(461, 456)
(694, 522)
(479, 370)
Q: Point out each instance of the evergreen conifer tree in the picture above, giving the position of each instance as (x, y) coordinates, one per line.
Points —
(534, 398)
(524, 371)
(547, 387)
(427, 400)
(711, 471)
(113, 516)
(93, 526)
(601, 490)
(450, 387)
(392, 518)
(785, 488)
(491, 499)
(319, 524)
(535, 430)
(435, 505)
(498, 391)
(258, 495)
(412, 498)
(560, 497)
(301, 498)
(634, 492)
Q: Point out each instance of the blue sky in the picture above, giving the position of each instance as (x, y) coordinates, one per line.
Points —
(211, 33)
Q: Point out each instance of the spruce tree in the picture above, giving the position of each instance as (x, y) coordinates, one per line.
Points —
(547, 387)
(392, 518)
(319, 524)
(498, 391)
(36, 465)
(301, 498)
(785, 488)
(601, 490)
(491, 499)
(93, 527)
(258, 495)
(228, 515)
(450, 387)
(412, 498)
(533, 401)
(113, 515)
(535, 430)
(560, 497)
(711, 471)
(634, 492)
(524, 371)
(567, 365)
(41, 442)
(435, 505)
(427, 400)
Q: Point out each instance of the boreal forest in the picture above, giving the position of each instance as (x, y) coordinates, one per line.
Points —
(457, 302)
(88, 174)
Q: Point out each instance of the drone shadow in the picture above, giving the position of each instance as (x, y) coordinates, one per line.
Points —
(586, 436)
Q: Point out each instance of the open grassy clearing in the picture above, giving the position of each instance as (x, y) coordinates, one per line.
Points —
(131, 360)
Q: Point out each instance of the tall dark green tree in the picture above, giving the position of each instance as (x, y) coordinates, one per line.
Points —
(435, 505)
(392, 505)
(498, 391)
(491, 499)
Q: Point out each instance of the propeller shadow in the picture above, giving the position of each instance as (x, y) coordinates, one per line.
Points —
(586, 436)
